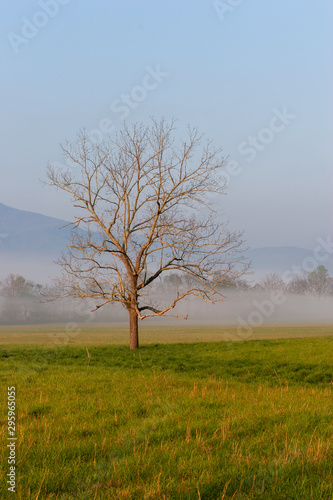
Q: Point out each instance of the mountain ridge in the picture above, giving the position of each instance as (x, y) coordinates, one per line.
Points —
(30, 232)
(32, 240)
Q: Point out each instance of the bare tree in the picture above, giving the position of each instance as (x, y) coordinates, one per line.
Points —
(273, 282)
(298, 285)
(145, 211)
(20, 298)
(15, 285)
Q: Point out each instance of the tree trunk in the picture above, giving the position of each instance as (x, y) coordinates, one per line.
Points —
(134, 329)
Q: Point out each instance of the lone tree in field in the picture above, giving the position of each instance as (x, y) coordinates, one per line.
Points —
(145, 211)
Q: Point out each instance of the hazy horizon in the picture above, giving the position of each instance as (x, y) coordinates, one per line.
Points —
(246, 310)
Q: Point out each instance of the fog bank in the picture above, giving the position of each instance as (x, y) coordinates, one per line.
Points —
(258, 308)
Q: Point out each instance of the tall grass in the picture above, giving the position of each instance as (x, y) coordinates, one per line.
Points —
(179, 421)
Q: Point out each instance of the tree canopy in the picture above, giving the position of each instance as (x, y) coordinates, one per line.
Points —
(145, 208)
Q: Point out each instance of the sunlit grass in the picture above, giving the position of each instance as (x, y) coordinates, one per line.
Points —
(117, 333)
(188, 421)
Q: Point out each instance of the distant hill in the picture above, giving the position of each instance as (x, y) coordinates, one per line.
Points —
(31, 242)
(31, 234)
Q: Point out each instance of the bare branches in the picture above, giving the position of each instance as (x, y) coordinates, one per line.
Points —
(144, 211)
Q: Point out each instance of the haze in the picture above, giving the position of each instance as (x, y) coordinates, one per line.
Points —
(255, 78)
(244, 310)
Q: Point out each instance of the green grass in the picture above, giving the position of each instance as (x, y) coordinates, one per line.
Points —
(208, 420)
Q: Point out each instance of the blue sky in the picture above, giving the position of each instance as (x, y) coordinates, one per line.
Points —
(232, 68)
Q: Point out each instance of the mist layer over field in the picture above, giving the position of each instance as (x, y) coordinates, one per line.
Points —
(259, 308)
(245, 309)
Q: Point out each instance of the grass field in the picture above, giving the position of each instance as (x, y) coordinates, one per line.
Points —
(117, 333)
(192, 420)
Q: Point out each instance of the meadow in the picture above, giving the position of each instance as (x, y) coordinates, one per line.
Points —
(188, 416)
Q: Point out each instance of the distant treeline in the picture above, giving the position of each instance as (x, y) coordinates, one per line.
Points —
(24, 302)
(318, 283)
